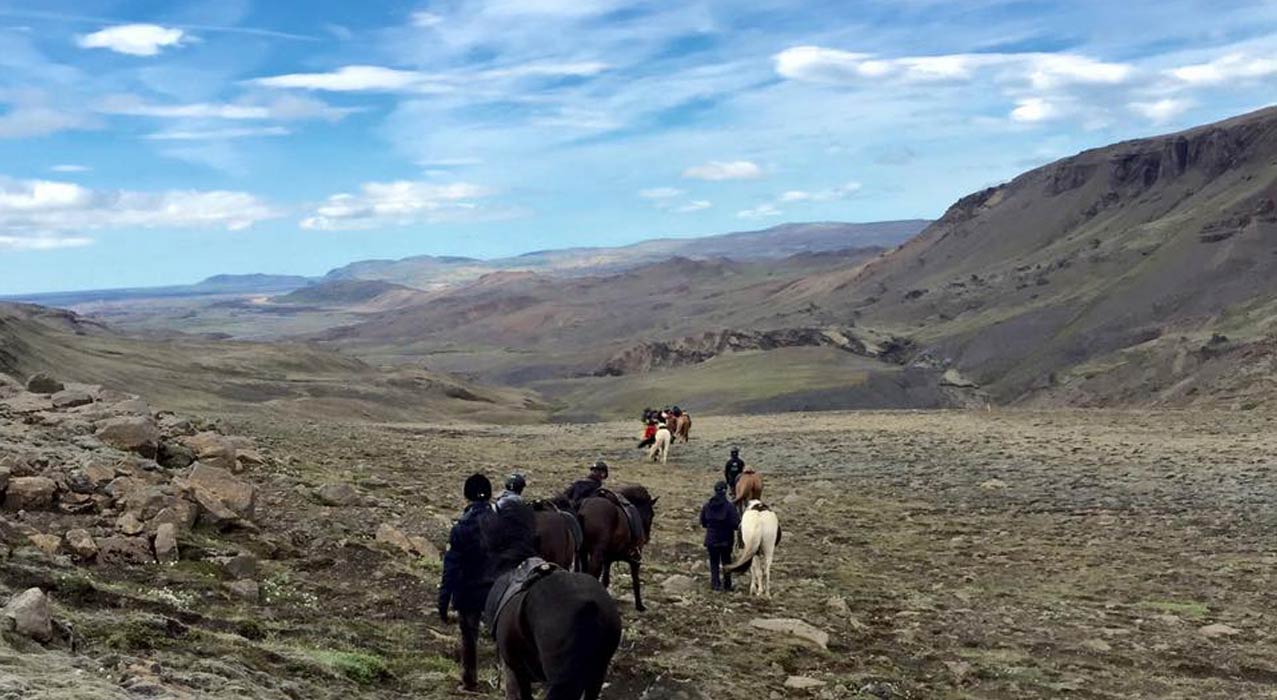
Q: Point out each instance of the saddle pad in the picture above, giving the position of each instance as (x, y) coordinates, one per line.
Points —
(632, 517)
(510, 584)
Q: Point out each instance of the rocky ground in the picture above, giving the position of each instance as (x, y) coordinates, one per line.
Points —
(945, 554)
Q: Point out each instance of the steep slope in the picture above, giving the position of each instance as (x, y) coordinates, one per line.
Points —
(192, 374)
(1101, 278)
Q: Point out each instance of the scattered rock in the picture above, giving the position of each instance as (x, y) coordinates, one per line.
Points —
(803, 682)
(240, 566)
(213, 449)
(340, 494)
(237, 496)
(1218, 630)
(175, 455)
(124, 551)
(417, 546)
(180, 513)
(131, 434)
(247, 458)
(795, 627)
(166, 544)
(993, 485)
(42, 383)
(959, 669)
(132, 407)
(29, 493)
(837, 605)
(791, 498)
(49, 544)
(81, 544)
(129, 524)
(28, 614)
(678, 584)
(246, 589)
(1098, 646)
(70, 398)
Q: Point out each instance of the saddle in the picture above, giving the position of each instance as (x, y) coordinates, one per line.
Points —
(632, 518)
(760, 507)
(512, 583)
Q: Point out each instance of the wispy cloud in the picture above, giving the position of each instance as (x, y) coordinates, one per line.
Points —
(284, 107)
(70, 168)
(761, 211)
(660, 193)
(217, 134)
(368, 78)
(724, 170)
(396, 204)
(134, 39)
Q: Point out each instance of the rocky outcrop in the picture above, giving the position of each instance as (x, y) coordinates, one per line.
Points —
(42, 383)
(28, 614)
(131, 433)
(690, 350)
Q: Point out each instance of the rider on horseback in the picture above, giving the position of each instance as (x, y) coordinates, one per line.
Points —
(513, 491)
(584, 488)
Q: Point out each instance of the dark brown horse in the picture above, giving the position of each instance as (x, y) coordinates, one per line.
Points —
(609, 537)
(556, 535)
(560, 630)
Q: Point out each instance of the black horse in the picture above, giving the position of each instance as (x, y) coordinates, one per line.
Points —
(561, 628)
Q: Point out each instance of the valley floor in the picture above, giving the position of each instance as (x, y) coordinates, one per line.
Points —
(979, 554)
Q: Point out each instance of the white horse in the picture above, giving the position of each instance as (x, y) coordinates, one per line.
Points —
(660, 449)
(760, 530)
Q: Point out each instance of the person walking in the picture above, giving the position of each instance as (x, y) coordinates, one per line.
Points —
(466, 579)
(735, 467)
(720, 520)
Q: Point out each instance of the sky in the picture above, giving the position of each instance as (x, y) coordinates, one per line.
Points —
(148, 143)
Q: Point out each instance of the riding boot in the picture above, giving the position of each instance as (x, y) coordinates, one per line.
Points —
(714, 584)
(469, 622)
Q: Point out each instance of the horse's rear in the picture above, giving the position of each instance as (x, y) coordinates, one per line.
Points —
(749, 487)
(562, 632)
(554, 539)
(683, 428)
(609, 537)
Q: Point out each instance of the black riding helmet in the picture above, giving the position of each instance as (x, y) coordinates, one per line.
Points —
(516, 483)
(600, 467)
(478, 488)
(720, 487)
(735, 451)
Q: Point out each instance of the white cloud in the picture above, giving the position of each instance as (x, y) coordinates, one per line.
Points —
(1035, 109)
(759, 212)
(658, 193)
(694, 206)
(1162, 111)
(446, 163)
(133, 39)
(30, 120)
(724, 170)
(1042, 71)
(43, 242)
(283, 107)
(363, 78)
(400, 203)
(426, 20)
(1232, 67)
(217, 134)
(45, 209)
(70, 168)
(833, 193)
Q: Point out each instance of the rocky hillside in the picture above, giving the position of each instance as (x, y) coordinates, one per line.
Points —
(1131, 274)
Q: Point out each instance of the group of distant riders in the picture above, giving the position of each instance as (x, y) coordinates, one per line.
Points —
(467, 584)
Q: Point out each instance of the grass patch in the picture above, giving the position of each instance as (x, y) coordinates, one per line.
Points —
(358, 666)
(1186, 609)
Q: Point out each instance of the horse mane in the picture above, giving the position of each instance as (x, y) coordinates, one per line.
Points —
(509, 536)
(638, 495)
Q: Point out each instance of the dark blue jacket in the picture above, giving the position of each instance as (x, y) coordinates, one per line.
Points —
(720, 520)
(466, 579)
(581, 490)
(733, 470)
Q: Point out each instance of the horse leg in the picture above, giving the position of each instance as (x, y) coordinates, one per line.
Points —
(607, 573)
(516, 687)
(638, 594)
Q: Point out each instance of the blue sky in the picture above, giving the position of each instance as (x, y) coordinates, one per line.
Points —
(149, 143)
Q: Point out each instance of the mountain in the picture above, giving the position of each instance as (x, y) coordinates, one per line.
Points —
(212, 286)
(1143, 272)
(427, 272)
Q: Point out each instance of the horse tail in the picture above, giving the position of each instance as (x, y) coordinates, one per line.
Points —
(752, 544)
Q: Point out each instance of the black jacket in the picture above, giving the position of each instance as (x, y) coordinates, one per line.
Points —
(466, 579)
(581, 490)
(733, 470)
(720, 520)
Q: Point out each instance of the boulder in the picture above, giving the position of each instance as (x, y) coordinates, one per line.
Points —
(212, 449)
(993, 485)
(99, 473)
(678, 584)
(837, 605)
(247, 590)
(340, 494)
(29, 493)
(148, 500)
(129, 524)
(49, 544)
(28, 614)
(42, 383)
(180, 513)
(175, 455)
(70, 398)
(124, 551)
(131, 407)
(166, 544)
(240, 566)
(793, 627)
(81, 544)
(235, 495)
(131, 434)
(803, 682)
(248, 458)
(416, 546)
(1218, 630)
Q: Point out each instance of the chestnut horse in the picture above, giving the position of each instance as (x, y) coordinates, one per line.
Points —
(682, 426)
(609, 537)
(749, 487)
(561, 630)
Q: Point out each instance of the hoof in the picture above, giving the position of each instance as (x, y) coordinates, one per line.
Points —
(640, 607)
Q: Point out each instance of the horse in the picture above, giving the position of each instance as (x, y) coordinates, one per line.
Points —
(610, 537)
(760, 529)
(557, 535)
(551, 626)
(660, 448)
(682, 426)
(749, 487)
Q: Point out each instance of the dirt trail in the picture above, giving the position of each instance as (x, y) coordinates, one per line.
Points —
(980, 555)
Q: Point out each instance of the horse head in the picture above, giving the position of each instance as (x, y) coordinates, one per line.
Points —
(645, 503)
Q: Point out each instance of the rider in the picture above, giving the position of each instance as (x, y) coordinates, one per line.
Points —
(466, 579)
(513, 491)
(584, 488)
(720, 520)
(735, 466)
(649, 434)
